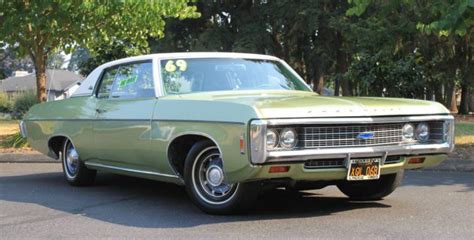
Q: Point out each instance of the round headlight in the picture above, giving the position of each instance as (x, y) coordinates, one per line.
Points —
(288, 138)
(422, 132)
(272, 139)
(408, 131)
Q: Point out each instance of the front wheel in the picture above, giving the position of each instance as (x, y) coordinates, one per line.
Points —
(206, 183)
(75, 171)
(371, 189)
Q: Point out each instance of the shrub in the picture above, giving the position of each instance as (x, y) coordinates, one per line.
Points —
(5, 116)
(15, 141)
(23, 102)
(5, 103)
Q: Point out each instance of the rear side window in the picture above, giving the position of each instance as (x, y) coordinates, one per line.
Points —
(134, 80)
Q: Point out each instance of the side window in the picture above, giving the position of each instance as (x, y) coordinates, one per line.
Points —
(134, 81)
(106, 82)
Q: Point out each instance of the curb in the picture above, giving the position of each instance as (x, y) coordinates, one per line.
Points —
(26, 158)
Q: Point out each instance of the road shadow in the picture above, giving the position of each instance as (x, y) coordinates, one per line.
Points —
(149, 204)
(429, 178)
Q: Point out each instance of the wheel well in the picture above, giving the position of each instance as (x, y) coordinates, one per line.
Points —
(179, 149)
(55, 144)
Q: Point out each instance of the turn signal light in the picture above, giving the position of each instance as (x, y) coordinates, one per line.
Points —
(279, 169)
(415, 160)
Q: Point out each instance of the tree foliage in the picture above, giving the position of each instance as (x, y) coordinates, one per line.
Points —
(38, 28)
(402, 48)
(438, 34)
(56, 60)
(78, 56)
(10, 62)
(415, 49)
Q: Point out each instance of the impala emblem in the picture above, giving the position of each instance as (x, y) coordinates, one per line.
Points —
(366, 135)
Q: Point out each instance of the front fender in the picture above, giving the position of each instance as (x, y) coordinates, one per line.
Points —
(225, 135)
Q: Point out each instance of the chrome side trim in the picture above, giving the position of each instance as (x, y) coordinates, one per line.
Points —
(357, 120)
(89, 119)
(379, 151)
(196, 121)
(130, 170)
(133, 120)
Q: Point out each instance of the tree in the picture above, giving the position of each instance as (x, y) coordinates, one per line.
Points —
(412, 49)
(442, 44)
(454, 21)
(38, 28)
(103, 53)
(78, 57)
(304, 33)
(10, 62)
(55, 60)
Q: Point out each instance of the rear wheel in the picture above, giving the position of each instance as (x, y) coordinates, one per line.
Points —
(371, 189)
(206, 183)
(75, 171)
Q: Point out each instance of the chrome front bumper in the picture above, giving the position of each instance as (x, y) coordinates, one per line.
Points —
(379, 151)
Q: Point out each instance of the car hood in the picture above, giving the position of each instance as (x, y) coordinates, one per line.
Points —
(299, 104)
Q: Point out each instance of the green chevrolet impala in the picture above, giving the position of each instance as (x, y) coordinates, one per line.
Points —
(228, 125)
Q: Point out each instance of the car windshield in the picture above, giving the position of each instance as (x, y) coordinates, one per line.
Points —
(224, 74)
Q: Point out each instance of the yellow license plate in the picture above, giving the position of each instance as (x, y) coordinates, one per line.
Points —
(363, 169)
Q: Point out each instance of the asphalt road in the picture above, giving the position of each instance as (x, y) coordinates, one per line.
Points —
(35, 203)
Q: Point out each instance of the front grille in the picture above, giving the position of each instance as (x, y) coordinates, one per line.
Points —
(393, 159)
(347, 135)
(329, 163)
(339, 163)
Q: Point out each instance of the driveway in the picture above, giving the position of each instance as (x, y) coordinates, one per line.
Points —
(35, 202)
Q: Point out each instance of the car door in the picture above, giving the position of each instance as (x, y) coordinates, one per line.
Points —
(126, 98)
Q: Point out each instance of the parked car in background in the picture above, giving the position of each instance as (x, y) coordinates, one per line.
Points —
(227, 125)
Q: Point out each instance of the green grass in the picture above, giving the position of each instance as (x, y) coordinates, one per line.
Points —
(464, 128)
(8, 127)
(464, 133)
(10, 135)
(13, 141)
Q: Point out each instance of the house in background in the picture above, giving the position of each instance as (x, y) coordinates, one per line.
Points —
(60, 84)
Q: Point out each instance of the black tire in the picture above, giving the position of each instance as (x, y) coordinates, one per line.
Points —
(239, 195)
(371, 189)
(80, 175)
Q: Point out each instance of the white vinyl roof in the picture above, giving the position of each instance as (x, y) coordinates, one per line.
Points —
(87, 86)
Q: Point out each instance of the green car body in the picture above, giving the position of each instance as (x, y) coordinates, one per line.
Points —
(150, 137)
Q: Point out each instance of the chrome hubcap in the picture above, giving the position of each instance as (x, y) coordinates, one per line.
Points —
(210, 179)
(215, 176)
(72, 160)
